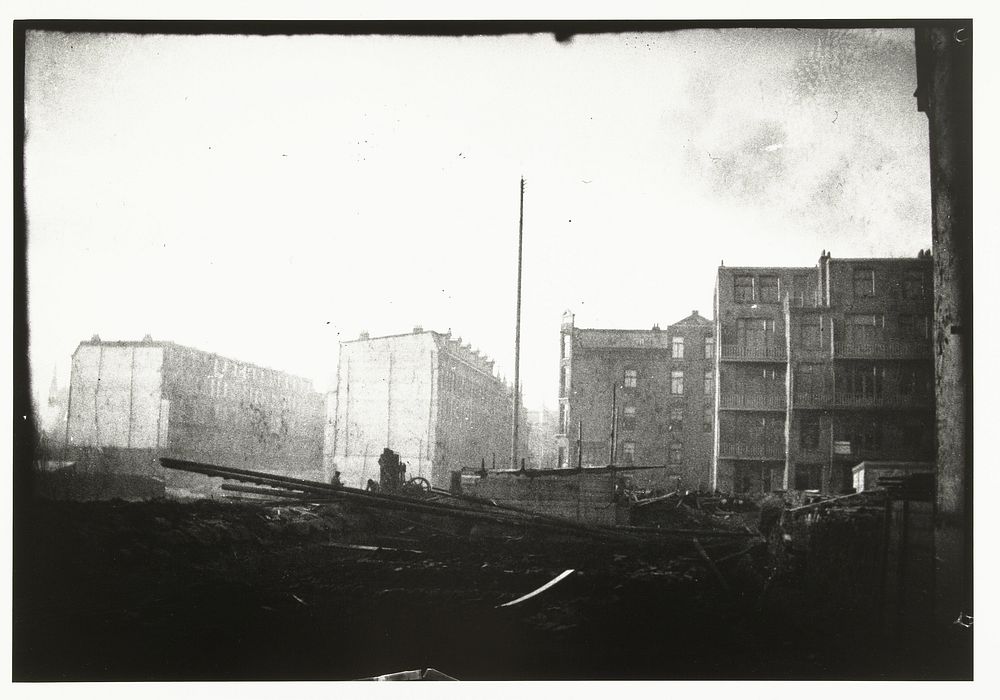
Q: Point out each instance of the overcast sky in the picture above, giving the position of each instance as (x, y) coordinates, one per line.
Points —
(265, 197)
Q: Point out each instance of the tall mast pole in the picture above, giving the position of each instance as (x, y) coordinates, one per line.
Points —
(517, 339)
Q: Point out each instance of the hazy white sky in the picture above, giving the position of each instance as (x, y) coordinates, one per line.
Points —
(265, 197)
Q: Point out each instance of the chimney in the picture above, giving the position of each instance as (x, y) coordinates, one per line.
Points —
(363, 335)
(656, 326)
(418, 329)
(95, 338)
(147, 338)
(694, 312)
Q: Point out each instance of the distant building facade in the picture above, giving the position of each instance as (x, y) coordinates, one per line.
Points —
(543, 426)
(820, 368)
(131, 402)
(639, 398)
(50, 418)
(425, 395)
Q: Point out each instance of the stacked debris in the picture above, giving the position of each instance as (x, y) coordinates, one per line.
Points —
(440, 516)
(695, 509)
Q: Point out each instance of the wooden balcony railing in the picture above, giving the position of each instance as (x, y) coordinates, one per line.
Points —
(804, 399)
(754, 353)
(761, 451)
(752, 402)
(893, 453)
(805, 300)
(890, 349)
(881, 400)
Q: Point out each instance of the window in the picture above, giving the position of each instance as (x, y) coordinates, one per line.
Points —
(562, 418)
(709, 347)
(770, 289)
(562, 457)
(861, 378)
(743, 288)
(706, 423)
(913, 326)
(864, 283)
(809, 380)
(868, 435)
(567, 344)
(907, 326)
(754, 332)
(913, 381)
(628, 452)
(866, 328)
(808, 476)
(678, 348)
(809, 432)
(913, 285)
(810, 332)
(631, 378)
(676, 452)
(708, 382)
(802, 294)
(564, 382)
(677, 382)
(913, 435)
(628, 418)
(676, 418)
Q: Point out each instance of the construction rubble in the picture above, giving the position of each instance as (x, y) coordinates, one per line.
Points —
(292, 579)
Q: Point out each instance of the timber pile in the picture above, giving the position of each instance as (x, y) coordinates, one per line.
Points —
(455, 515)
(695, 510)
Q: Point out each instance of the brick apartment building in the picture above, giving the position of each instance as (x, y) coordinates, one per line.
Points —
(131, 402)
(820, 368)
(655, 388)
(425, 395)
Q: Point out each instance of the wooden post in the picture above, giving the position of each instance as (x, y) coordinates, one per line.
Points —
(614, 422)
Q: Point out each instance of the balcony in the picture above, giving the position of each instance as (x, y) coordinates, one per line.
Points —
(759, 451)
(884, 349)
(754, 353)
(803, 399)
(805, 300)
(893, 454)
(882, 400)
(752, 402)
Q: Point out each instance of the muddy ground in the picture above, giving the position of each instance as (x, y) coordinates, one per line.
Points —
(233, 591)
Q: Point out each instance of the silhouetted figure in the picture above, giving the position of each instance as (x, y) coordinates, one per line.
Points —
(391, 471)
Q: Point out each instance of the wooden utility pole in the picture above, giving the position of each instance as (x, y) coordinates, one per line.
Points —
(614, 423)
(517, 339)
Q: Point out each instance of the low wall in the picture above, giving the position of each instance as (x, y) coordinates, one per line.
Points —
(576, 496)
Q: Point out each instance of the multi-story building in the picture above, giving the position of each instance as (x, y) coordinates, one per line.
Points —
(131, 402)
(639, 398)
(427, 396)
(820, 368)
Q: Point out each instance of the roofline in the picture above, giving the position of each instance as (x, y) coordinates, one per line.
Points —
(907, 259)
(666, 329)
(438, 336)
(393, 335)
(774, 267)
(172, 344)
(912, 259)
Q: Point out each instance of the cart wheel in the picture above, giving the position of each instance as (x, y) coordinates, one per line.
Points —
(420, 483)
